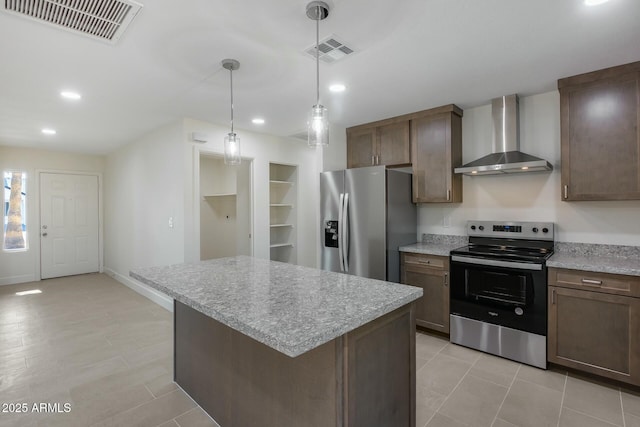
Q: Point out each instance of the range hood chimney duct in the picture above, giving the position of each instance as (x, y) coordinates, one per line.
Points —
(506, 156)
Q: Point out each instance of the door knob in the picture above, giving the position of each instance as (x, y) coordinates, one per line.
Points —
(44, 234)
(44, 227)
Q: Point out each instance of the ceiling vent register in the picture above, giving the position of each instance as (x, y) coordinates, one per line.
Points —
(104, 20)
(331, 50)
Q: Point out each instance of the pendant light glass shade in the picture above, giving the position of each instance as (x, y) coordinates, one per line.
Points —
(318, 126)
(318, 123)
(232, 149)
(231, 141)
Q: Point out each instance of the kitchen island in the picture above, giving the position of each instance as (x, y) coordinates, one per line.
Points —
(264, 343)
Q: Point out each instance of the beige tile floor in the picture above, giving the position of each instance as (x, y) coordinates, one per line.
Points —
(93, 343)
(457, 386)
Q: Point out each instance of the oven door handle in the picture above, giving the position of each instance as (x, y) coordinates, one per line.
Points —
(496, 263)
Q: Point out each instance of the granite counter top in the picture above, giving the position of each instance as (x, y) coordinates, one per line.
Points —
(289, 308)
(599, 264)
(436, 244)
(441, 249)
(598, 258)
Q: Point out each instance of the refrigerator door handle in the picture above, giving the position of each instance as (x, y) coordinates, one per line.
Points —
(345, 232)
(340, 227)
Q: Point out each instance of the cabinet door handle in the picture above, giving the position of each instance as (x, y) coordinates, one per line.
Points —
(553, 296)
(566, 191)
(377, 160)
(592, 282)
(373, 160)
(446, 279)
(448, 195)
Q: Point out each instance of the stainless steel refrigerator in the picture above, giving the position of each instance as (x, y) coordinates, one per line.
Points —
(366, 214)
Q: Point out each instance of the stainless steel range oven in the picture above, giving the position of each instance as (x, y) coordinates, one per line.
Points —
(498, 300)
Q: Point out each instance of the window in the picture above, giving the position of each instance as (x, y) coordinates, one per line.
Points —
(15, 212)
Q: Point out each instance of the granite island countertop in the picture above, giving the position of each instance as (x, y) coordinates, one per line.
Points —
(289, 308)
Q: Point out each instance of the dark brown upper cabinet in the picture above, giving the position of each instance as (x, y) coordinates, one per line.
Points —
(429, 141)
(380, 143)
(600, 134)
(436, 143)
(361, 147)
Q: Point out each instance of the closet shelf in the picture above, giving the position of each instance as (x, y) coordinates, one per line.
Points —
(281, 245)
(206, 196)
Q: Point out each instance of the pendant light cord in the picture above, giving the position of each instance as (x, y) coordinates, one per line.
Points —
(318, 12)
(231, 80)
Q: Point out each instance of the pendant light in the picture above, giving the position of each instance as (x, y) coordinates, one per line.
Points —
(318, 123)
(231, 141)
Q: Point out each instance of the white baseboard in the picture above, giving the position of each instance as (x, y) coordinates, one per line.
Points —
(14, 280)
(144, 290)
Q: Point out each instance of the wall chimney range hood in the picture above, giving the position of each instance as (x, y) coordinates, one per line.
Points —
(506, 156)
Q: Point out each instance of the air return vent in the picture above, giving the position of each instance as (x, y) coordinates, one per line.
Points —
(99, 19)
(331, 50)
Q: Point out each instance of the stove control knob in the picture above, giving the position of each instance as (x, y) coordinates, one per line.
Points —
(481, 227)
(473, 227)
(535, 229)
(545, 230)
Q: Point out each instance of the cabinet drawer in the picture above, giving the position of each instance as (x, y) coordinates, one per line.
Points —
(429, 261)
(596, 282)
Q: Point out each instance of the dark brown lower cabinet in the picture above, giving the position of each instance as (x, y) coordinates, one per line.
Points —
(593, 330)
(364, 378)
(431, 273)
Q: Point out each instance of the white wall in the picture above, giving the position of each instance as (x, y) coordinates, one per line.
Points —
(334, 156)
(218, 218)
(218, 227)
(262, 149)
(144, 188)
(157, 177)
(244, 215)
(18, 267)
(529, 197)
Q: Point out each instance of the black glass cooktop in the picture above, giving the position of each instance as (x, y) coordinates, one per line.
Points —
(507, 249)
(510, 253)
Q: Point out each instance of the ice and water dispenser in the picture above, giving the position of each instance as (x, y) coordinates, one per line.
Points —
(331, 234)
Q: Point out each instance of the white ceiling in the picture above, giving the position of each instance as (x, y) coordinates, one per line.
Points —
(411, 55)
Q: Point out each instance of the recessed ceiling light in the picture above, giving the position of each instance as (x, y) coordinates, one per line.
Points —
(337, 88)
(257, 121)
(594, 2)
(47, 131)
(70, 95)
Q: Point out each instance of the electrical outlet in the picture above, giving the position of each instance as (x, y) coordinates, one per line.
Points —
(446, 221)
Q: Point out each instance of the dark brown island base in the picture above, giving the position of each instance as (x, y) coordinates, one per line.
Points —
(262, 343)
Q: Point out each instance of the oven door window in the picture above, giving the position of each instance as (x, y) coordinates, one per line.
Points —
(499, 287)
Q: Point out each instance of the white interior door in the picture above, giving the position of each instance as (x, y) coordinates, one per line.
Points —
(69, 221)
